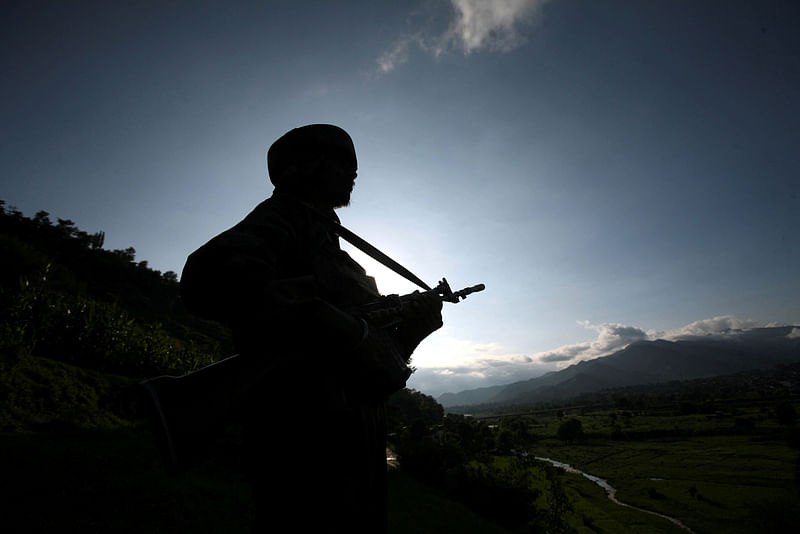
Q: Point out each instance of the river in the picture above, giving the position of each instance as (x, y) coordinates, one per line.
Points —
(610, 491)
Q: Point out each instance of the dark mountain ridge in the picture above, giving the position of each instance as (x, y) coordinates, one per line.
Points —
(647, 362)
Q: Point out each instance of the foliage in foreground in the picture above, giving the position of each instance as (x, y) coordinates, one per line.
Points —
(93, 334)
(39, 394)
(64, 297)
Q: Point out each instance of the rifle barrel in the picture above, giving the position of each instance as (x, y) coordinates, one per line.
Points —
(462, 294)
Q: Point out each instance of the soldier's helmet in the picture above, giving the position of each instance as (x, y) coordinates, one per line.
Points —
(307, 141)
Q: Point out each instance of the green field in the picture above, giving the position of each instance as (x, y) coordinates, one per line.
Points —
(714, 476)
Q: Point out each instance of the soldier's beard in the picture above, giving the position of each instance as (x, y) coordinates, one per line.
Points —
(342, 202)
(341, 198)
(325, 194)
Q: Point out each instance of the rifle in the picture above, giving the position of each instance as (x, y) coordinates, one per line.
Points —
(185, 412)
(386, 311)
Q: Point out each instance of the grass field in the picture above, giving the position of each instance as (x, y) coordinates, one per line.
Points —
(729, 482)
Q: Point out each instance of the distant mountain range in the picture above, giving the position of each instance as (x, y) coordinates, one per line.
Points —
(647, 362)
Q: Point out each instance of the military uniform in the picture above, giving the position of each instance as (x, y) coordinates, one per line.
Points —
(316, 427)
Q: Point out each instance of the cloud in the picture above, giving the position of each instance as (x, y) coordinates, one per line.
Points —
(391, 59)
(475, 25)
(722, 325)
(495, 25)
(448, 364)
(610, 338)
(614, 337)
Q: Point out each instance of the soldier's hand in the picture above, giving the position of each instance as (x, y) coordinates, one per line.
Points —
(421, 316)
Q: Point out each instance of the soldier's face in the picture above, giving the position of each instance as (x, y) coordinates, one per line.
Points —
(338, 181)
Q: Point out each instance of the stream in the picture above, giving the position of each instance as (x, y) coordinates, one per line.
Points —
(610, 491)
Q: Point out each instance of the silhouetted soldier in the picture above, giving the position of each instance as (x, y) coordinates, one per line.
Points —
(316, 425)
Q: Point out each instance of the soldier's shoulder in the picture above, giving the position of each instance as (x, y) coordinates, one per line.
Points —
(274, 209)
(276, 217)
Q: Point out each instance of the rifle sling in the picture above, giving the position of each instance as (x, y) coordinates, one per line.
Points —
(369, 250)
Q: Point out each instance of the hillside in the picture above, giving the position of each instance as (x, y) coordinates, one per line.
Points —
(647, 362)
(78, 323)
(63, 296)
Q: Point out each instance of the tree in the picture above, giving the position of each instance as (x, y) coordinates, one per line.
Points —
(518, 429)
(66, 226)
(570, 430)
(96, 240)
(129, 254)
(408, 405)
(42, 218)
(505, 440)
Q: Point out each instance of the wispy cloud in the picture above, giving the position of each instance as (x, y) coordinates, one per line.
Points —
(398, 54)
(474, 26)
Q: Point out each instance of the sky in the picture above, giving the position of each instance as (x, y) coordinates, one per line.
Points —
(611, 171)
